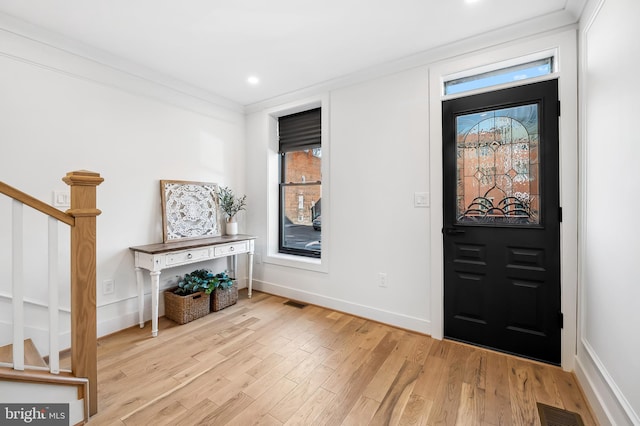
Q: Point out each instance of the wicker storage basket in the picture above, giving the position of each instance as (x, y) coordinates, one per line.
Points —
(183, 309)
(223, 297)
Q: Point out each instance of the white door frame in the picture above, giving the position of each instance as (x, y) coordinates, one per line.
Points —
(564, 45)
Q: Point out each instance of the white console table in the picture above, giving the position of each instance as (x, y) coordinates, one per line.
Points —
(157, 257)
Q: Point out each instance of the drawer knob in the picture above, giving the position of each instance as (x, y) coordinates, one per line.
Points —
(232, 248)
(189, 256)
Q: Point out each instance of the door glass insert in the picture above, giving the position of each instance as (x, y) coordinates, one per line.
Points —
(497, 166)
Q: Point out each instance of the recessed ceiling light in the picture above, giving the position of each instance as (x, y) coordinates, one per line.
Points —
(253, 80)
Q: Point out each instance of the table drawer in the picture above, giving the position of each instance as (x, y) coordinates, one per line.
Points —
(228, 249)
(186, 257)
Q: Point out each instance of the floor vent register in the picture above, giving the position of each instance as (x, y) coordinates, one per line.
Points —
(552, 416)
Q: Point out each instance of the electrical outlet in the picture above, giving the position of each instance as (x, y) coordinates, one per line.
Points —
(382, 279)
(61, 198)
(108, 287)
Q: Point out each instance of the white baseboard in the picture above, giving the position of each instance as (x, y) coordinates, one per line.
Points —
(113, 325)
(121, 314)
(607, 401)
(392, 318)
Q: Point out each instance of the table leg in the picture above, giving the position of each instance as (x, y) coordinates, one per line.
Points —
(155, 295)
(250, 272)
(234, 266)
(140, 282)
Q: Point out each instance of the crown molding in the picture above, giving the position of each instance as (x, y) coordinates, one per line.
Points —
(576, 8)
(52, 40)
(177, 88)
(548, 24)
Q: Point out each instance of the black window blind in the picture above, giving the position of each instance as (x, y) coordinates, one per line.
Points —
(300, 131)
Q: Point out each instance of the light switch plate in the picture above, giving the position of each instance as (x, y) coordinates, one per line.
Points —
(421, 199)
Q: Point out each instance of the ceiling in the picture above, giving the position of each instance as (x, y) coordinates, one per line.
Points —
(288, 45)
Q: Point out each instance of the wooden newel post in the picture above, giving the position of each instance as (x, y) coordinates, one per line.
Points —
(84, 347)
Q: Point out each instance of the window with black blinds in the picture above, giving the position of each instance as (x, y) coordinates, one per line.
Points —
(300, 186)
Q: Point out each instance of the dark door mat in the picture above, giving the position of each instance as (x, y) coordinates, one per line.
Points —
(552, 416)
(298, 305)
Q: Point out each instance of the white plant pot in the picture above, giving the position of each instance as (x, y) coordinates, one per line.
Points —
(232, 228)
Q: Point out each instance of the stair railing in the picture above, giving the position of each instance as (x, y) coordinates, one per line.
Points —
(81, 217)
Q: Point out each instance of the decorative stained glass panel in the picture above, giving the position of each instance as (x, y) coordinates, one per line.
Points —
(497, 161)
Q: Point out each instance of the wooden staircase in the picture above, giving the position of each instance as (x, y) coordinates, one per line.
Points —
(31, 355)
(41, 387)
(25, 377)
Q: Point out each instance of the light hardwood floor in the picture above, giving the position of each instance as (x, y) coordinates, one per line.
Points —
(264, 362)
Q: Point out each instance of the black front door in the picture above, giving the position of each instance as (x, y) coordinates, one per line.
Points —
(502, 220)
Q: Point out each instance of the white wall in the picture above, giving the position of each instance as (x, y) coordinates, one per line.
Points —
(382, 151)
(378, 136)
(609, 340)
(59, 113)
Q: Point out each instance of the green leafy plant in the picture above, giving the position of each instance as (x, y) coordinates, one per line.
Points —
(202, 280)
(229, 204)
(221, 280)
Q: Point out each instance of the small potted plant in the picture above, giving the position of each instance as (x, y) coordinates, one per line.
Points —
(190, 300)
(231, 205)
(225, 291)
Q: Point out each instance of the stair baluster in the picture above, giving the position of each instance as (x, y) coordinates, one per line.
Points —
(17, 284)
(54, 329)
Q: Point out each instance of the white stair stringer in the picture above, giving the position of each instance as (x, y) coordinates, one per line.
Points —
(35, 387)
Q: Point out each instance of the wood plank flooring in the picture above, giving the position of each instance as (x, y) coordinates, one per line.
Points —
(263, 362)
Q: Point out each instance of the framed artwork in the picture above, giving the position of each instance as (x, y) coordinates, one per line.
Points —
(189, 210)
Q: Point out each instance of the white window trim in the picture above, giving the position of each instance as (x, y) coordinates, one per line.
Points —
(273, 168)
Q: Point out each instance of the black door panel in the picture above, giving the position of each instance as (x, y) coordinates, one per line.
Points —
(501, 220)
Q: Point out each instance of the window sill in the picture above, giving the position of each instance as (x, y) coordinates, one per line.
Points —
(299, 262)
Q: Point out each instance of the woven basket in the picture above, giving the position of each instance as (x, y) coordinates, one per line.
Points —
(223, 297)
(183, 309)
